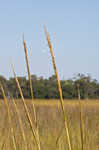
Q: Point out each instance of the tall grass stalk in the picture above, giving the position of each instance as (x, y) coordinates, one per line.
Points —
(26, 110)
(31, 88)
(20, 123)
(28, 70)
(9, 117)
(81, 119)
(59, 137)
(59, 87)
(29, 77)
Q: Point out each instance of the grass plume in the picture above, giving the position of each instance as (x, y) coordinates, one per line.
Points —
(59, 87)
(31, 88)
(30, 81)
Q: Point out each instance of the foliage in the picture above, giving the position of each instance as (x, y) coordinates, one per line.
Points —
(50, 122)
(47, 88)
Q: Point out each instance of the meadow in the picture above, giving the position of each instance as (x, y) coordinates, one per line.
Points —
(48, 124)
(51, 126)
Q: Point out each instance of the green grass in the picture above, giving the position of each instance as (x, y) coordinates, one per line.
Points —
(50, 123)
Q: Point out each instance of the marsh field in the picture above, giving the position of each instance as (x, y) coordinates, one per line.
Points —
(50, 125)
(47, 124)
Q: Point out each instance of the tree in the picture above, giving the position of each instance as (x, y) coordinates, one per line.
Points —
(67, 88)
(3, 81)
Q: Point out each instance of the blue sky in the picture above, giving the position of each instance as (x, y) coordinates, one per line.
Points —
(73, 26)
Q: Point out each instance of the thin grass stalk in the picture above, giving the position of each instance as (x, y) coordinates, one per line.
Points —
(81, 119)
(9, 117)
(26, 110)
(31, 88)
(30, 81)
(28, 70)
(59, 137)
(20, 123)
(59, 87)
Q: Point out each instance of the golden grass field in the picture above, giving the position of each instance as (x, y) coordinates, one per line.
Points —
(50, 125)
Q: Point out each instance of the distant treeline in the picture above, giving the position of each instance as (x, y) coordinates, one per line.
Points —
(47, 88)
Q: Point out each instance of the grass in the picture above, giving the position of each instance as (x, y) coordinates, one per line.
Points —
(32, 96)
(50, 120)
(59, 88)
(9, 118)
(45, 125)
(34, 131)
(81, 119)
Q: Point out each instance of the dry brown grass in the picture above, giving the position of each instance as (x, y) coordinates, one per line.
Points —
(50, 120)
(41, 124)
